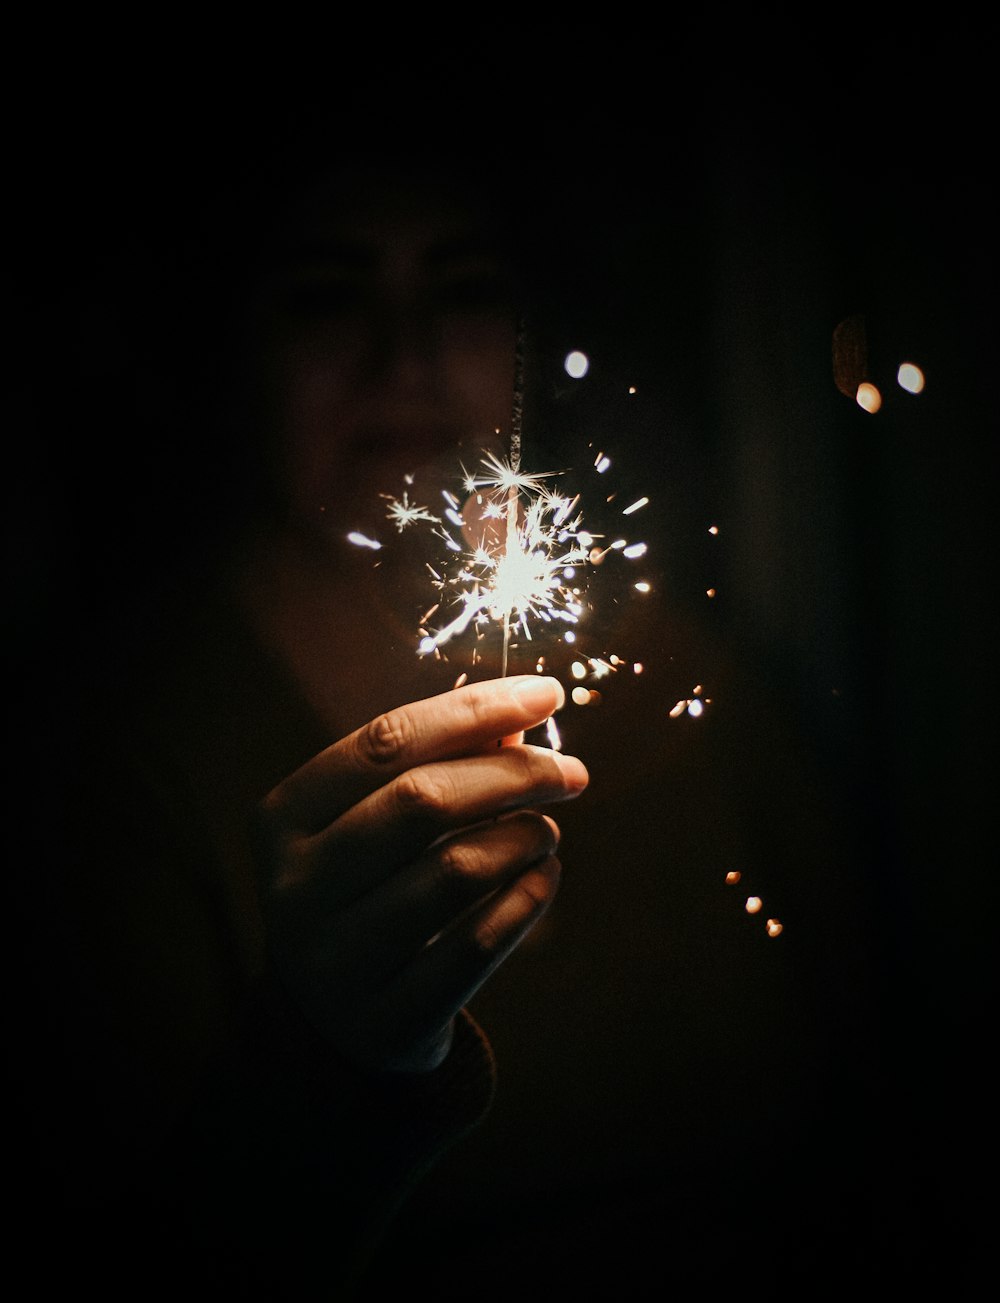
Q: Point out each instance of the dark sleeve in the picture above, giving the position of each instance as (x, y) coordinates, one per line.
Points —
(178, 1123)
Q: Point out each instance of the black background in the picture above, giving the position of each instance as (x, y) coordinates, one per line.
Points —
(712, 203)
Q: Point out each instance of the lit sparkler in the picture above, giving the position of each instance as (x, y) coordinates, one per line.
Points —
(519, 559)
(515, 552)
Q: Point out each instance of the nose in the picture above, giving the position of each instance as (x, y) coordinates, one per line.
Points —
(405, 347)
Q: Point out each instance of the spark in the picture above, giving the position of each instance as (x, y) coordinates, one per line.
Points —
(519, 554)
(362, 540)
(402, 513)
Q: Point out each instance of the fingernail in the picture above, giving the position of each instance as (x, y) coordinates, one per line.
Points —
(536, 692)
(574, 772)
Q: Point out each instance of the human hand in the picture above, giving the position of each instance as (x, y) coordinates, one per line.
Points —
(403, 864)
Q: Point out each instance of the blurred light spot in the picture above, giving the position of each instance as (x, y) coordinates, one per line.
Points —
(695, 708)
(361, 541)
(733, 875)
(581, 697)
(577, 364)
(569, 636)
(635, 506)
(426, 645)
(910, 378)
(710, 592)
(679, 709)
(555, 741)
(602, 463)
(642, 586)
(569, 572)
(868, 397)
(461, 679)
(637, 668)
(635, 549)
(774, 928)
(631, 389)
(578, 670)
(753, 904)
(713, 529)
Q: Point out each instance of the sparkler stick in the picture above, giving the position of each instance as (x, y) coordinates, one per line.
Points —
(515, 465)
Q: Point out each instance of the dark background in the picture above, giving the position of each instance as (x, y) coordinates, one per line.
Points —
(709, 205)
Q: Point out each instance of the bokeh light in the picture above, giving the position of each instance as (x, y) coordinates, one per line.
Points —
(577, 364)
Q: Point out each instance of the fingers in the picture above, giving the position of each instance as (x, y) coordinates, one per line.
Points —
(396, 824)
(419, 1001)
(457, 723)
(402, 962)
(390, 926)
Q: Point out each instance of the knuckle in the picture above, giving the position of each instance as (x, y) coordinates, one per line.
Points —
(386, 738)
(424, 793)
(497, 933)
(481, 705)
(461, 864)
(488, 940)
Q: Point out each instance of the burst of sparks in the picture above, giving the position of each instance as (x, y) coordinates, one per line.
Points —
(514, 557)
(402, 513)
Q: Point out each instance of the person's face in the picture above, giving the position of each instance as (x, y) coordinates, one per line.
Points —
(390, 340)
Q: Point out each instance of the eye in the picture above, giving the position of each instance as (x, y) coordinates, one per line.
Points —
(316, 298)
(476, 292)
(471, 282)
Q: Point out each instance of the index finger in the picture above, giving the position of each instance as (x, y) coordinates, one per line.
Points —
(460, 722)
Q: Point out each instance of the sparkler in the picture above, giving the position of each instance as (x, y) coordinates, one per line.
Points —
(514, 551)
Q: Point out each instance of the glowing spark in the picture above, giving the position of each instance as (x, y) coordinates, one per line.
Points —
(403, 514)
(512, 551)
(524, 549)
(360, 540)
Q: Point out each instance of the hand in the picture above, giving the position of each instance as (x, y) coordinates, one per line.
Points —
(402, 865)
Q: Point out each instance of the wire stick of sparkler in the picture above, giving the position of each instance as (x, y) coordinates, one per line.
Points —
(515, 462)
